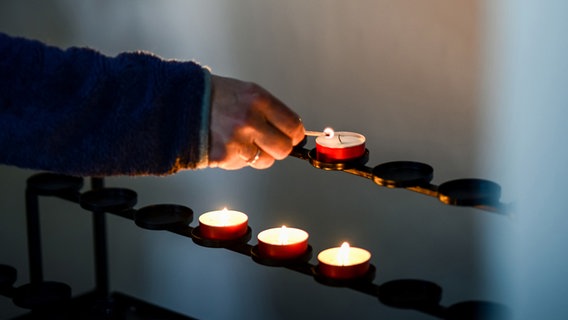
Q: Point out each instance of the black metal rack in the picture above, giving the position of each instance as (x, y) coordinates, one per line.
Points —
(54, 299)
(416, 176)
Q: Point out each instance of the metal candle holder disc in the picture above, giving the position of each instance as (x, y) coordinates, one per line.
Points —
(402, 174)
(163, 216)
(108, 200)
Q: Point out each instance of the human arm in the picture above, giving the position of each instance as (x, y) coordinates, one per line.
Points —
(79, 112)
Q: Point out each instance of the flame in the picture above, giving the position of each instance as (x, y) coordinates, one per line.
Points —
(283, 236)
(329, 133)
(343, 254)
(224, 217)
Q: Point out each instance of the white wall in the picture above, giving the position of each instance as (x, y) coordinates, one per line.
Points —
(525, 104)
(404, 73)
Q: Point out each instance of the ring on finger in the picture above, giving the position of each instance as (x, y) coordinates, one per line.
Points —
(255, 158)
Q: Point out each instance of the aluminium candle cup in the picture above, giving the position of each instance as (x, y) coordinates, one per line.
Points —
(343, 146)
(271, 245)
(319, 163)
(223, 224)
(356, 266)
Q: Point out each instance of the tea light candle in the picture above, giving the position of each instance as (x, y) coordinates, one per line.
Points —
(282, 243)
(344, 262)
(339, 146)
(223, 224)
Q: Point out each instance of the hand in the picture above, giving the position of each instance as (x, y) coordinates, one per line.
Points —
(249, 126)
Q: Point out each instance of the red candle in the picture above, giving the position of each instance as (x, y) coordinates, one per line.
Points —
(339, 146)
(282, 243)
(344, 262)
(223, 224)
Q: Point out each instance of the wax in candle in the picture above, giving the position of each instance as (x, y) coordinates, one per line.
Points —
(340, 146)
(344, 262)
(223, 224)
(282, 243)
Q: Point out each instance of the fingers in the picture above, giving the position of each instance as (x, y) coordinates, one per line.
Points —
(277, 128)
(243, 155)
(283, 119)
(273, 141)
(249, 126)
(260, 160)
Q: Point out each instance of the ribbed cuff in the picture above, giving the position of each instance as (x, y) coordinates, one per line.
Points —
(205, 120)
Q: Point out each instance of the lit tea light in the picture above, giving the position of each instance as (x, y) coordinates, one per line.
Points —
(344, 262)
(282, 243)
(332, 146)
(223, 224)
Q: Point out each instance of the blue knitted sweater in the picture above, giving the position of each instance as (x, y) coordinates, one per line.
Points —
(79, 112)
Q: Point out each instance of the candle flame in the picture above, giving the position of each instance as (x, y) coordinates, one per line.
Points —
(329, 133)
(224, 217)
(343, 254)
(283, 236)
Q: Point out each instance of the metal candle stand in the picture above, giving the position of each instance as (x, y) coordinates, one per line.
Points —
(415, 176)
(54, 298)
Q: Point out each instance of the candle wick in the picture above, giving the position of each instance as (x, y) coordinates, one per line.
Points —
(339, 138)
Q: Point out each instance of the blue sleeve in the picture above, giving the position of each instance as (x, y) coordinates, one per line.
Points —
(79, 112)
